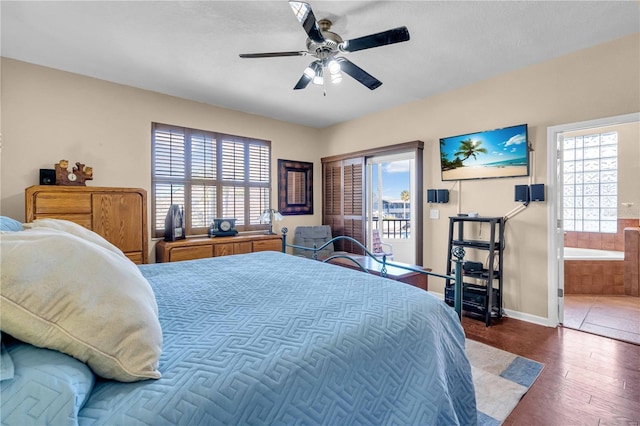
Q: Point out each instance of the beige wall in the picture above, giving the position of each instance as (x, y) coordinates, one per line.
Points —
(49, 115)
(598, 82)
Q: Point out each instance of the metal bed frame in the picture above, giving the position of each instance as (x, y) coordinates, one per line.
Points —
(457, 252)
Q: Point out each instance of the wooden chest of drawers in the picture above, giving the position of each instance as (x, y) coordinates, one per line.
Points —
(117, 214)
(198, 248)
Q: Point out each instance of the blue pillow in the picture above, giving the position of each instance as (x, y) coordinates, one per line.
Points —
(6, 364)
(48, 387)
(8, 224)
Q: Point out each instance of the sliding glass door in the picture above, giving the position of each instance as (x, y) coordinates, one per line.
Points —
(391, 203)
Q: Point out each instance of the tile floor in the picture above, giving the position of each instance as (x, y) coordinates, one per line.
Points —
(617, 317)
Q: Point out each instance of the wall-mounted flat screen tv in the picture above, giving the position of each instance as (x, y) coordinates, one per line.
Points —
(489, 154)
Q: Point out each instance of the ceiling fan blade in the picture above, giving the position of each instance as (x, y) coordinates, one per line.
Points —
(308, 75)
(273, 54)
(303, 82)
(359, 74)
(395, 35)
(306, 17)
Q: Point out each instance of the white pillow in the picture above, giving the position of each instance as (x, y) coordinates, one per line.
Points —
(64, 293)
(75, 229)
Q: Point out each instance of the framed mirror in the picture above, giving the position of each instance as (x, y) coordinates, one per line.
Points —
(295, 187)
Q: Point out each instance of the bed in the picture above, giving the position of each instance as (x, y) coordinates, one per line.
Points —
(261, 338)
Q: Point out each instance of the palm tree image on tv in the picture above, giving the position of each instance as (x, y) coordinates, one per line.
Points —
(489, 154)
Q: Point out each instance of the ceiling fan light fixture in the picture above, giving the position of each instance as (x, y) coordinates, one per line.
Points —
(318, 79)
(336, 78)
(334, 67)
(310, 72)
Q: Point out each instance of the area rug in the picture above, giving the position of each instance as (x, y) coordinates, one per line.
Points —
(501, 379)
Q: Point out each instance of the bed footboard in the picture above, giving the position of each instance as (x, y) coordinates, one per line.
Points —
(458, 254)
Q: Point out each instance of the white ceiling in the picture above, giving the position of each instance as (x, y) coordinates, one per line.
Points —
(190, 49)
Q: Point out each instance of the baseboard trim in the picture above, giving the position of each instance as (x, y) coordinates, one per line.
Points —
(522, 316)
(528, 318)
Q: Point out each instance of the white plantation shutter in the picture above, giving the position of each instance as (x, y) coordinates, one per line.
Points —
(233, 161)
(166, 194)
(169, 152)
(203, 157)
(203, 205)
(258, 163)
(233, 203)
(258, 202)
(259, 157)
(210, 175)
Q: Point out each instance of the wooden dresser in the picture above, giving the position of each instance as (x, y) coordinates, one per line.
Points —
(198, 248)
(118, 214)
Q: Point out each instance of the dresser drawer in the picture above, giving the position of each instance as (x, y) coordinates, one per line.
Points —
(232, 248)
(187, 253)
(80, 219)
(135, 257)
(267, 245)
(61, 203)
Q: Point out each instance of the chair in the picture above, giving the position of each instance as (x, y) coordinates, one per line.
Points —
(307, 236)
(378, 248)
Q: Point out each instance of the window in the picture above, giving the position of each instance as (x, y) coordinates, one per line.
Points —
(590, 170)
(211, 175)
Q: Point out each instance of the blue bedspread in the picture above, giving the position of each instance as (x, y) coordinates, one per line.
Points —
(269, 338)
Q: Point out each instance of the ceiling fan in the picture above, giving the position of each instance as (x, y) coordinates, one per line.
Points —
(326, 46)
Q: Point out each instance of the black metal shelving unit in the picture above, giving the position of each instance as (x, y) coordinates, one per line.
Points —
(483, 297)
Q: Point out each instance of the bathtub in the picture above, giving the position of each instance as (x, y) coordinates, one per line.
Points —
(574, 253)
(590, 271)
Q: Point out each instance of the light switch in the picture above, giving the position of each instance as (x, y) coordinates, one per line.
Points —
(434, 214)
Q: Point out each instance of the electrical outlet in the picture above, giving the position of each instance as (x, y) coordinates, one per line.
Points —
(434, 214)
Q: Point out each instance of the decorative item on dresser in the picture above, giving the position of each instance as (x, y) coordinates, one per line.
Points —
(198, 248)
(222, 227)
(174, 224)
(269, 216)
(77, 176)
(117, 214)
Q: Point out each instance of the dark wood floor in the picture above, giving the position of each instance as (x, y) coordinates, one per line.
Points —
(586, 380)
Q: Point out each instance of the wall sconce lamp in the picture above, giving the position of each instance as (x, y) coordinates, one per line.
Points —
(269, 216)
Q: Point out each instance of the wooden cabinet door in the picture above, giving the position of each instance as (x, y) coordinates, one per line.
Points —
(343, 201)
(353, 212)
(222, 249)
(244, 247)
(118, 218)
(225, 249)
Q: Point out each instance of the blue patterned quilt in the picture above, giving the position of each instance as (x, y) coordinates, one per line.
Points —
(269, 338)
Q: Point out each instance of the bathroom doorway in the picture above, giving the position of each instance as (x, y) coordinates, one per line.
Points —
(591, 209)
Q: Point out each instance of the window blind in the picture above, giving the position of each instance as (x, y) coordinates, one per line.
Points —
(211, 175)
